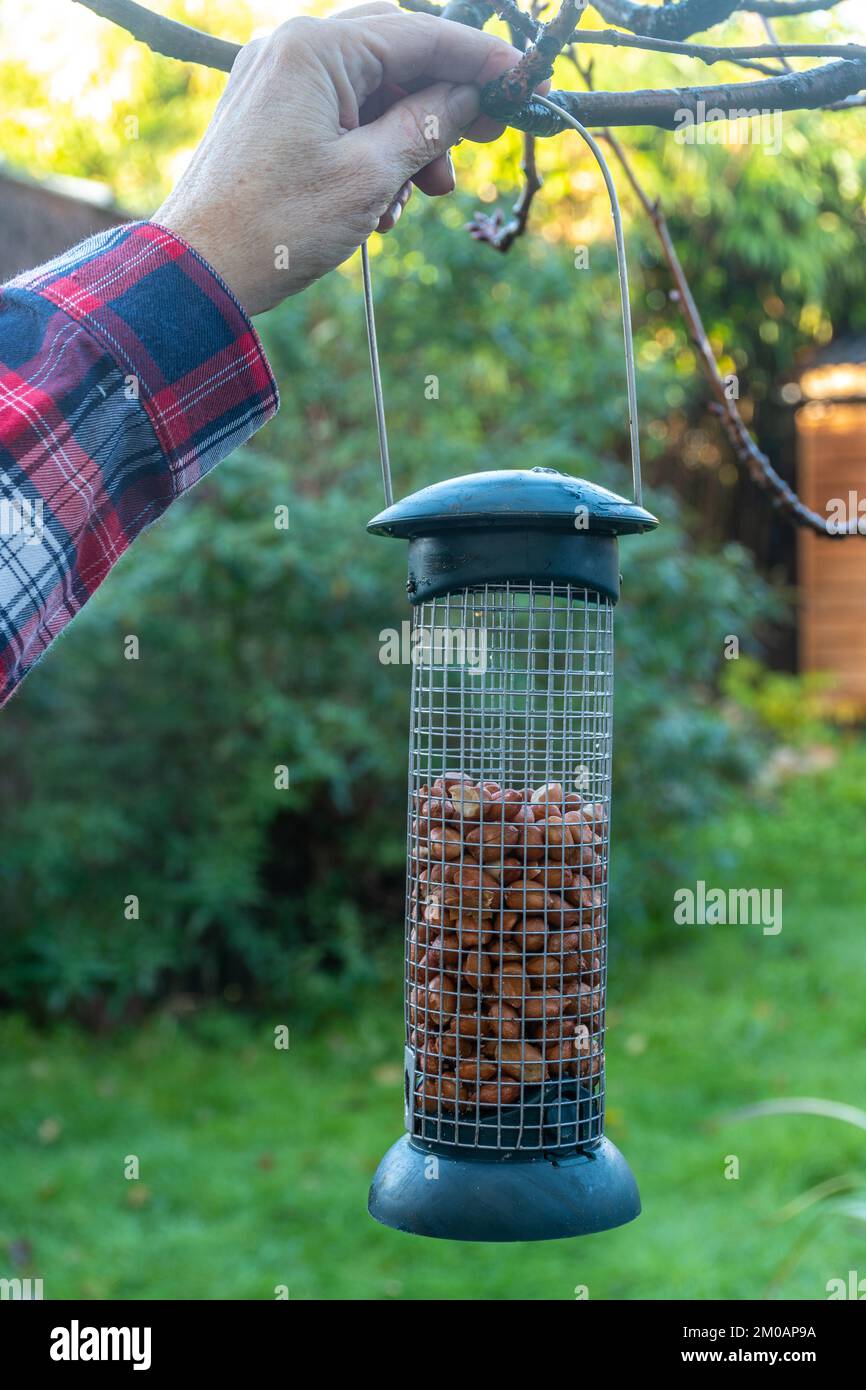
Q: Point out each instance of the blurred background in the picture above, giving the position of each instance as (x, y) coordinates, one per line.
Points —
(165, 907)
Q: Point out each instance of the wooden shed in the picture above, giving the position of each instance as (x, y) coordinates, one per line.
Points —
(39, 220)
(831, 478)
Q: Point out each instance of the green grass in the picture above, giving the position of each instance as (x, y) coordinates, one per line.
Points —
(255, 1163)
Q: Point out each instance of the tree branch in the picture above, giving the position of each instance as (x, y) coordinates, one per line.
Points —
(746, 451)
(678, 21)
(707, 53)
(778, 9)
(475, 13)
(166, 36)
(719, 53)
(783, 57)
(680, 106)
(493, 229)
(836, 82)
(667, 21)
(516, 85)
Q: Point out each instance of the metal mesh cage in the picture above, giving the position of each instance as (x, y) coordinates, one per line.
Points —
(506, 920)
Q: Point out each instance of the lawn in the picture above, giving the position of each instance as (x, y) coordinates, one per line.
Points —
(254, 1162)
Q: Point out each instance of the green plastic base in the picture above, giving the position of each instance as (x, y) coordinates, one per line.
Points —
(428, 1193)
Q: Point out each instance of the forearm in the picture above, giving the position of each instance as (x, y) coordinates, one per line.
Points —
(127, 371)
(128, 368)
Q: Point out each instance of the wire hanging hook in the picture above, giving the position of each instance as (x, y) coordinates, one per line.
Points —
(377, 377)
(622, 267)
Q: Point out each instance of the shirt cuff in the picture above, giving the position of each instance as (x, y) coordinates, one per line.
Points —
(188, 349)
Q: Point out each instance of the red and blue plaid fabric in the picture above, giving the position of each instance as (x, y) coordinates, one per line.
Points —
(127, 371)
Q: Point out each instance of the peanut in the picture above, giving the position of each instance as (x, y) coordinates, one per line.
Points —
(548, 795)
(478, 971)
(444, 843)
(505, 948)
(500, 1021)
(438, 1093)
(527, 896)
(549, 1005)
(523, 1061)
(498, 1093)
(557, 1055)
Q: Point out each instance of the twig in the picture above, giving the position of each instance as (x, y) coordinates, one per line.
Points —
(475, 13)
(493, 229)
(832, 85)
(778, 9)
(707, 53)
(166, 36)
(746, 451)
(767, 25)
(839, 82)
(516, 85)
(672, 107)
(759, 467)
(667, 21)
(678, 21)
(848, 103)
(521, 23)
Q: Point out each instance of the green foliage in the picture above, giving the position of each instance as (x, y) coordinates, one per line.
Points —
(78, 96)
(259, 649)
(792, 708)
(678, 759)
(772, 245)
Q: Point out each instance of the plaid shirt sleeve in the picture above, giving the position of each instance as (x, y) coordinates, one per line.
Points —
(127, 371)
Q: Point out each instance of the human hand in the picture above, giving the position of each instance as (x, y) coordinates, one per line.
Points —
(319, 135)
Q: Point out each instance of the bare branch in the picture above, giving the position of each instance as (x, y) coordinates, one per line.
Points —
(745, 449)
(678, 21)
(759, 467)
(514, 86)
(493, 229)
(670, 108)
(771, 35)
(475, 13)
(720, 53)
(848, 103)
(166, 36)
(667, 21)
(707, 53)
(836, 84)
(521, 23)
(778, 9)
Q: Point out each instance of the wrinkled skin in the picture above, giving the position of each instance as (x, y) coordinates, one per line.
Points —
(320, 134)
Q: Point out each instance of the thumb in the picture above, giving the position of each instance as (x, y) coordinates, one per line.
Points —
(419, 127)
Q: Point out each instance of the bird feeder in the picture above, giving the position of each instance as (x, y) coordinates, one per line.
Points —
(513, 578)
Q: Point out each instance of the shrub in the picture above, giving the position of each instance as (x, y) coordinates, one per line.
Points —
(258, 648)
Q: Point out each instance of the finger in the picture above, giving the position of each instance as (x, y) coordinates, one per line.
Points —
(416, 130)
(438, 177)
(486, 128)
(379, 101)
(402, 48)
(391, 216)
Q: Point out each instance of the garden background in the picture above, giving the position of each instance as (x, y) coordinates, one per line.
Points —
(259, 907)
